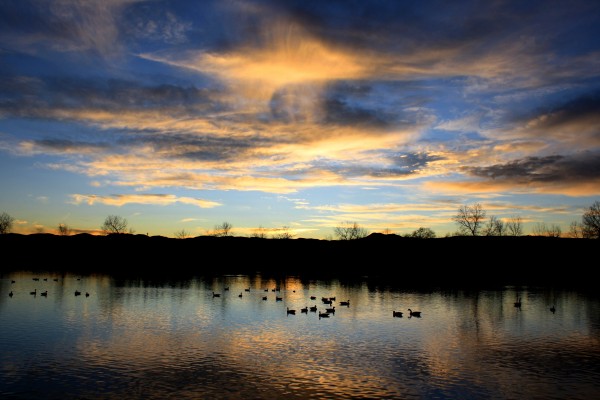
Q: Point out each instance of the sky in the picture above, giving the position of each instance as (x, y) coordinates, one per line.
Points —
(297, 116)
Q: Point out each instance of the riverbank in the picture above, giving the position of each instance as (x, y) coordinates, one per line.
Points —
(453, 261)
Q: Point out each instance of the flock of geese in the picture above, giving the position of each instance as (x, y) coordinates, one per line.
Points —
(327, 301)
(34, 292)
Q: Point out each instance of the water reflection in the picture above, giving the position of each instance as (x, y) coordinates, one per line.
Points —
(160, 339)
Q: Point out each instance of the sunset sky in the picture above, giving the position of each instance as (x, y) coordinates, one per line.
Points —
(180, 115)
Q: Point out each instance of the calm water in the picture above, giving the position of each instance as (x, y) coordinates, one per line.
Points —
(140, 340)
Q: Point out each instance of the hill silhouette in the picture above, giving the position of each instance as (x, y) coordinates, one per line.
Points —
(453, 261)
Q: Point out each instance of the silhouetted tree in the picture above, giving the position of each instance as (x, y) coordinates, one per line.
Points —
(494, 227)
(260, 233)
(182, 234)
(470, 219)
(114, 224)
(6, 223)
(423, 233)
(223, 230)
(350, 231)
(541, 229)
(576, 230)
(64, 230)
(283, 233)
(514, 226)
(591, 221)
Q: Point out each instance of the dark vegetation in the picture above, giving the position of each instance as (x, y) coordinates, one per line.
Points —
(453, 262)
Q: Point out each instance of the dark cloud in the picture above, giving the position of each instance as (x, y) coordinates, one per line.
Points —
(555, 168)
(31, 96)
(196, 148)
(583, 108)
(67, 146)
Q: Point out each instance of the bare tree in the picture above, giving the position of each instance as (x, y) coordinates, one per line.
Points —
(541, 229)
(470, 219)
(514, 226)
(223, 230)
(114, 224)
(350, 231)
(423, 233)
(64, 230)
(6, 223)
(494, 227)
(182, 234)
(259, 233)
(575, 230)
(283, 233)
(591, 221)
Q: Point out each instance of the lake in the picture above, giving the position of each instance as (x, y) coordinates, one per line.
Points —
(140, 339)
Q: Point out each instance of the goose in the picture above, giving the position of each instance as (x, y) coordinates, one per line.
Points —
(291, 311)
(44, 293)
(11, 294)
(46, 279)
(240, 295)
(77, 293)
(266, 290)
(553, 309)
(323, 315)
(327, 301)
(277, 298)
(264, 297)
(330, 310)
(226, 288)
(87, 294)
(36, 279)
(247, 289)
(304, 310)
(313, 308)
(345, 303)
(55, 279)
(397, 314)
(216, 294)
(414, 313)
(313, 297)
(34, 292)
(518, 302)
(12, 281)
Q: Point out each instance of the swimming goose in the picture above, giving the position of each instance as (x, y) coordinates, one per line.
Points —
(77, 293)
(313, 308)
(278, 298)
(87, 294)
(304, 310)
(397, 314)
(34, 292)
(345, 303)
(216, 294)
(45, 293)
(240, 295)
(11, 294)
(518, 302)
(313, 297)
(553, 309)
(323, 315)
(291, 311)
(414, 313)
(330, 310)
(264, 297)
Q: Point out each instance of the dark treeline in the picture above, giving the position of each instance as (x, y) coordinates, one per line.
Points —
(401, 261)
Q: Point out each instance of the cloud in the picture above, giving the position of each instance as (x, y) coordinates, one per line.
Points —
(152, 199)
(571, 175)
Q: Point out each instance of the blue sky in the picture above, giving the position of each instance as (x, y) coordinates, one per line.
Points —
(303, 115)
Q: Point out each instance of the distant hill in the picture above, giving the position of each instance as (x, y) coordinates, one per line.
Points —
(452, 261)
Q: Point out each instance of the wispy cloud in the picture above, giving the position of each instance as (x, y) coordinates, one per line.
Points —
(154, 199)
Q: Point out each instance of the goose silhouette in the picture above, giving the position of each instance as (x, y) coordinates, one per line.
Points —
(77, 293)
(304, 310)
(518, 302)
(11, 294)
(330, 310)
(313, 308)
(44, 293)
(553, 309)
(264, 297)
(240, 295)
(216, 294)
(414, 313)
(397, 314)
(345, 303)
(34, 292)
(291, 311)
(323, 315)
